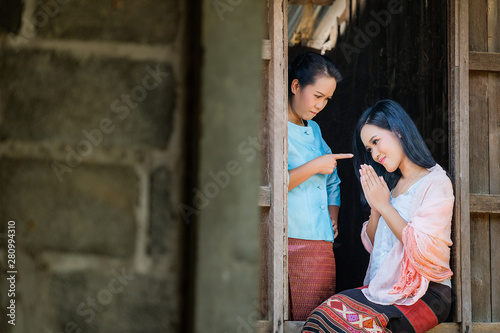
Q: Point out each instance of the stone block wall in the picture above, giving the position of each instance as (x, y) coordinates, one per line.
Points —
(91, 141)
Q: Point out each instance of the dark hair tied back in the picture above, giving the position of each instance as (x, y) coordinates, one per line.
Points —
(307, 67)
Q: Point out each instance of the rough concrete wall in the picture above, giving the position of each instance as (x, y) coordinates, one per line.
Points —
(228, 225)
(91, 108)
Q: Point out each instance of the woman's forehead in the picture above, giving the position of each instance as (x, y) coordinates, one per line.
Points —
(369, 131)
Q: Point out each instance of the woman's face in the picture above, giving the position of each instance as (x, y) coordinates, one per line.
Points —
(384, 146)
(308, 101)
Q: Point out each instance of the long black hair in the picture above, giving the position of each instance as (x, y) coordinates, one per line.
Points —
(308, 67)
(391, 116)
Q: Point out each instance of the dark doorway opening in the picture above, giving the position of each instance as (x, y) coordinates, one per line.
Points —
(403, 58)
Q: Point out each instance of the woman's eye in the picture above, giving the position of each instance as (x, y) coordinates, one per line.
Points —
(375, 141)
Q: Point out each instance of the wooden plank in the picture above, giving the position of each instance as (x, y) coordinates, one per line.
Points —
(294, 326)
(459, 155)
(446, 328)
(494, 164)
(264, 326)
(476, 328)
(265, 225)
(266, 49)
(314, 2)
(479, 183)
(484, 61)
(264, 196)
(480, 267)
(494, 108)
(277, 107)
(493, 26)
(462, 164)
(486, 327)
(478, 27)
(453, 83)
(485, 203)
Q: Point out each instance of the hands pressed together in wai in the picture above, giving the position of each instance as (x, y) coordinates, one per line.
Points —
(375, 188)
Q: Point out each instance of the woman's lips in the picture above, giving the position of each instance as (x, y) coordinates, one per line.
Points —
(382, 160)
(314, 113)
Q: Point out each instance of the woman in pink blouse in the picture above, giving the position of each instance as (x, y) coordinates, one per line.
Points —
(407, 284)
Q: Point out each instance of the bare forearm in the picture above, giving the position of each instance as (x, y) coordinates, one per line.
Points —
(372, 225)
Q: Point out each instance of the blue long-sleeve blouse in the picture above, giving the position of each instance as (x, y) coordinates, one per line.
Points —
(308, 215)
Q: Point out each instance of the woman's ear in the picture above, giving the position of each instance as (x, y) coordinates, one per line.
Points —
(295, 87)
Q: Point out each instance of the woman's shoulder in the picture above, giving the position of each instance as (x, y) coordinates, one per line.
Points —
(314, 125)
(435, 190)
(437, 179)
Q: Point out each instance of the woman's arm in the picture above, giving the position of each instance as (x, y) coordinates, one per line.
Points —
(302, 173)
(323, 164)
(378, 196)
(372, 225)
(395, 222)
(334, 215)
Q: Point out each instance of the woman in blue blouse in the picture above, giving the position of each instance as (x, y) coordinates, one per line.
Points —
(313, 188)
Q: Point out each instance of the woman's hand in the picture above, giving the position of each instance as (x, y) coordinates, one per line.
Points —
(379, 198)
(334, 215)
(323, 164)
(327, 163)
(375, 188)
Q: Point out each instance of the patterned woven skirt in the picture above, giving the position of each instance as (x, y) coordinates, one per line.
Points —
(311, 275)
(350, 311)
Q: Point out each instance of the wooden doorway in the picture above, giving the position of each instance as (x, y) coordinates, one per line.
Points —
(465, 111)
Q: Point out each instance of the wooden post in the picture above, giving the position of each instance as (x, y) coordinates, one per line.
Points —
(494, 162)
(459, 128)
(479, 170)
(277, 107)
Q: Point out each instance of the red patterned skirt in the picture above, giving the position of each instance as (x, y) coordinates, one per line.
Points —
(311, 275)
(351, 312)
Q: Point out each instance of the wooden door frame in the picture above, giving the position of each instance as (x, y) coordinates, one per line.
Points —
(459, 155)
(274, 193)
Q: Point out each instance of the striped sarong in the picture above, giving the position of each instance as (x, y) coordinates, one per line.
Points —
(311, 275)
(350, 311)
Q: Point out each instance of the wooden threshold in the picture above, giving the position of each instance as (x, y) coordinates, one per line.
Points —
(296, 327)
(313, 2)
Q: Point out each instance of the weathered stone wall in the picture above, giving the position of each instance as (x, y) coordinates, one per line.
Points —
(91, 144)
